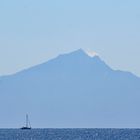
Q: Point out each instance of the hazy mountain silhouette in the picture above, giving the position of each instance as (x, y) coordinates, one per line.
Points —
(72, 90)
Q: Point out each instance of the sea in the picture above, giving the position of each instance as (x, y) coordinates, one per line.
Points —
(70, 134)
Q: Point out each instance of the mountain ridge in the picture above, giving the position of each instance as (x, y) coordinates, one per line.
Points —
(66, 54)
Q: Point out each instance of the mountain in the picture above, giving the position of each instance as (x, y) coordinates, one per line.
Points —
(72, 90)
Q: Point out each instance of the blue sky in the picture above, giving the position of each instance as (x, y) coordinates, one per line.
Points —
(34, 31)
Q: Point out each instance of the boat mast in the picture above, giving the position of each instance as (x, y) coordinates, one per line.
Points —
(27, 120)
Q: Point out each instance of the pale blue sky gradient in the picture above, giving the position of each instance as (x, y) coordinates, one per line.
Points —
(34, 31)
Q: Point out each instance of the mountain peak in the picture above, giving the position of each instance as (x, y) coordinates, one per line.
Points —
(82, 52)
(91, 53)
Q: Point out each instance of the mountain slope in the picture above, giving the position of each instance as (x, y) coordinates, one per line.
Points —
(72, 90)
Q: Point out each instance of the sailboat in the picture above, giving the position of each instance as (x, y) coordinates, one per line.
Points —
(28, 125)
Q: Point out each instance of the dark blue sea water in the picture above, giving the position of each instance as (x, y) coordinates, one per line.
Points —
(70, 134)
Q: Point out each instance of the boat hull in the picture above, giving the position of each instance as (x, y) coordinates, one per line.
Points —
(26, 128)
